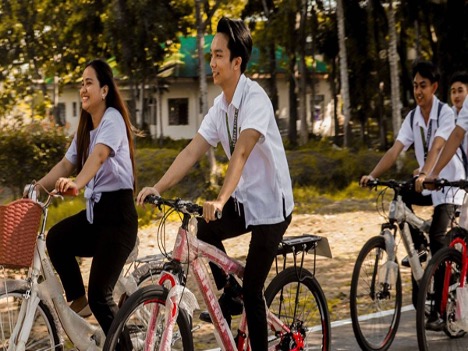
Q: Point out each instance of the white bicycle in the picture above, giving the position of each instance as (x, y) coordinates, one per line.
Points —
(33, 312)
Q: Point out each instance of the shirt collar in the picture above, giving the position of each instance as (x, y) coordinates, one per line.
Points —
(237, 98)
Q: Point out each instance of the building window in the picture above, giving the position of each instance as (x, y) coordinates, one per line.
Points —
(60, 114)
(178, 112)
(75, 109)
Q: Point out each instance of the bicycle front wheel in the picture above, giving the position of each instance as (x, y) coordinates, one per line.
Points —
(375, 307)
(300, 303)
(140, 323)
(434, 307)
(43, 334)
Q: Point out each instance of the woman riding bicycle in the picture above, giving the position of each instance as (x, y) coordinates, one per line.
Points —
(101, 153)
(257, 194)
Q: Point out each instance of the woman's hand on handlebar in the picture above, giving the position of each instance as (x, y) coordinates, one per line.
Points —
(147, 190)
(66, 186)
(211, 210)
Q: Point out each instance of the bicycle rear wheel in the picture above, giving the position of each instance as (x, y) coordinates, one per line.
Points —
(133, 323)
(43, 334)
(307, 315)
(375, 307)
(430, 305)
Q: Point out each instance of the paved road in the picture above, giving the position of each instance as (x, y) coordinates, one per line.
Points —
(343, 337)
(406, 340)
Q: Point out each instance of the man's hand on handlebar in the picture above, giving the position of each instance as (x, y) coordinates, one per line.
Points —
(365, 179)
(212, 210)
(146, 191)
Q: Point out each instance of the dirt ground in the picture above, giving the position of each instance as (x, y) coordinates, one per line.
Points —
(346, 233)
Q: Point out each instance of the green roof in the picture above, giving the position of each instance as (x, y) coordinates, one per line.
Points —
(185, 63)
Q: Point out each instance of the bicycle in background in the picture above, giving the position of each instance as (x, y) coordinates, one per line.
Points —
(376, 292)
(33, 311)
(441, 290)
(160, 317)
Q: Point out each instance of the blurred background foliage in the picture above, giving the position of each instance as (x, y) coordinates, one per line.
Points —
(324, 177)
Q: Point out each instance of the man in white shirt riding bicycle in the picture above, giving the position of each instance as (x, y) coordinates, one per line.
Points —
(257, 193)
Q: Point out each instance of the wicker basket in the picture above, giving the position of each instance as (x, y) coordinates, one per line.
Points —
(19, 224)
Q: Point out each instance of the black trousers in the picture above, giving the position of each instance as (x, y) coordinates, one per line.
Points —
(262, 251)
(109, 240)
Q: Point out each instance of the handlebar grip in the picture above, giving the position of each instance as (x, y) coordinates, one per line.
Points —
(70, 192)
(152, 199)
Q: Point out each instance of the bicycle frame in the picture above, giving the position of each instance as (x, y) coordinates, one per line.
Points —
(188, 249)
(403, 216)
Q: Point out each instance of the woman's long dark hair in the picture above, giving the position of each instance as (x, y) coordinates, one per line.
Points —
(113, 99)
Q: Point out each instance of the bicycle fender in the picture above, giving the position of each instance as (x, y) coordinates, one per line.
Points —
(13, 284)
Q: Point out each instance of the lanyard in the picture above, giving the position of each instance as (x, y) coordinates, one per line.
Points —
(426, 140)
(233, 140)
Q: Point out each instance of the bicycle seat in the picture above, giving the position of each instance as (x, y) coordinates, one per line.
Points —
(305, 242)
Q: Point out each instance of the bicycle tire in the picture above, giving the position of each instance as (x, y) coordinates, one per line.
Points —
(309, 315)
(368, 304)
(455, 338)
(131, 320)
(149, 278)
(43, 336)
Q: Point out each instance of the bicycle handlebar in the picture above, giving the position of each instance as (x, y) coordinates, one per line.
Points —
(392, 183)
(439, 183)
(178, 205)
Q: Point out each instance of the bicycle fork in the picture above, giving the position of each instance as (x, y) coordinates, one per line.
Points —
(24, 324)
(388, 272)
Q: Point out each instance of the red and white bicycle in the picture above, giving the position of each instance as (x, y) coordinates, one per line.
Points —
(159, 317)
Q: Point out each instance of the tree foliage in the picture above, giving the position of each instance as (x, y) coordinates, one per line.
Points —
(27, 153)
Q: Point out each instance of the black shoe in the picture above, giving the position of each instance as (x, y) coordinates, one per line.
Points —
(230, 306)
(422, 258)
(435, 324)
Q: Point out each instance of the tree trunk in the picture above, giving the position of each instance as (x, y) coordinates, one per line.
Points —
(304, 132)
(344, 73)
(204, 87)
(394, 78)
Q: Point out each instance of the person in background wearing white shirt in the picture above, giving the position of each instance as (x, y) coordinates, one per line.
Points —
(257, 193)
(428, 130)
(458, 93)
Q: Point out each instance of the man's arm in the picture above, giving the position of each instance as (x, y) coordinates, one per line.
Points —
(178, 169)
(244, 145)
(387, 161)
(454, 141)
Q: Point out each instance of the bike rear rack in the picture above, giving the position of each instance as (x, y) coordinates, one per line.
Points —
(302, 244)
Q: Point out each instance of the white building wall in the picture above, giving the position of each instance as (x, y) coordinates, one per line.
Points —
(189, 89)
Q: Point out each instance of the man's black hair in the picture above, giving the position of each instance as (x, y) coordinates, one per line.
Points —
(428, 70)
(240, 40)
(461, 77)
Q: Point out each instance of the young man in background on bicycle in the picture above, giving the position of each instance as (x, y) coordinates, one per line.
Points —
(458, 139)
(428, 127)
(257, 194)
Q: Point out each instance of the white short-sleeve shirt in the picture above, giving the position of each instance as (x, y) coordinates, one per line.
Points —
(439, 126)
(462, 118)
(265, 187)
